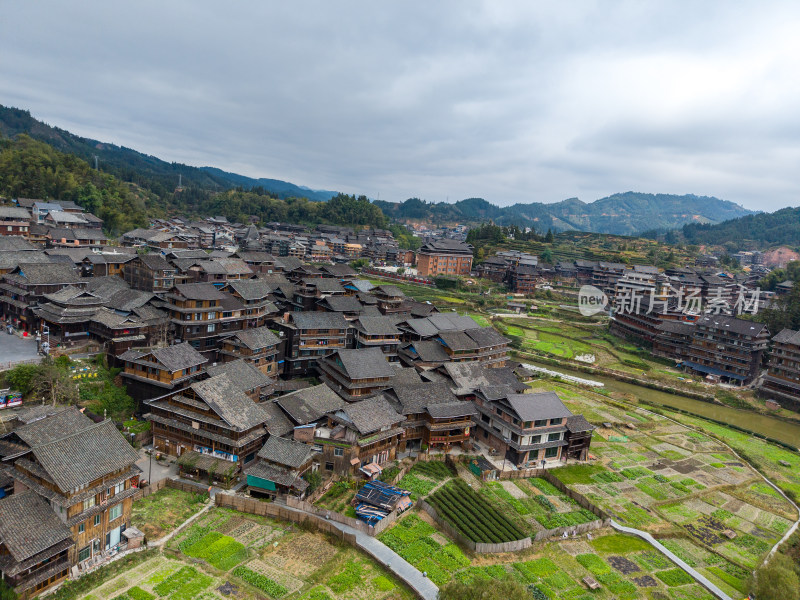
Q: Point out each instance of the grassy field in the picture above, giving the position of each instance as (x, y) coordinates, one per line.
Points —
(159, 513)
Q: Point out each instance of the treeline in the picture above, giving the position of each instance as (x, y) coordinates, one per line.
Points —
(764, 229)
(31, 169)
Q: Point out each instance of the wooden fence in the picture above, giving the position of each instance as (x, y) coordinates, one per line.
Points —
(170, 483)
(284, 513)
(371, 530)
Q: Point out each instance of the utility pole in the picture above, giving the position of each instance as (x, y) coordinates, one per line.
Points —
(95, 162)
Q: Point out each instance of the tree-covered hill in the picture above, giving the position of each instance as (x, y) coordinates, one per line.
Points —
(623, 214)
(758, 231)
(34, 169)
(148, 172)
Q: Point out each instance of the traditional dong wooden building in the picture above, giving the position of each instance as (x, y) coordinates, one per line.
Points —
(34, 544)
(86, 471)
(256, 297)
(727, 349)
(525, 428)
(378, 332)
(435, 417)
(358, 435)
(257, 346)
(149, 273)
(25, 287)
(311, 336)
(279, 468)
(482, 344)
(212, 417)
(149, 373)
(782, 381)
(356, 374)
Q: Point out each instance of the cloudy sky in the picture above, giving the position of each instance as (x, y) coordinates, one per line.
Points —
(510, 101)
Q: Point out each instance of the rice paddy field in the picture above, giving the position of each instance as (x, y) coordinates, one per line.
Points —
(227, 554)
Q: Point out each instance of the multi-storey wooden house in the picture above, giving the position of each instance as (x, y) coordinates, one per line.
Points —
(309, 337)
(150, 373)
(526, 429)
(727, 348)
(782, 381)
(259, 346)
(482, 344)
(149, 273)
(213, 417)
(34, 544)
(86, 471)
(279, 468)
(256, 297)
(378, 332)
(356, 374)
(26, 286)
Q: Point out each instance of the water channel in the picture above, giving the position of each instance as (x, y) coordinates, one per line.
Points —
(786, 432)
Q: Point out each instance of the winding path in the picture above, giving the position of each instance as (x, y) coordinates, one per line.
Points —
(701, 579)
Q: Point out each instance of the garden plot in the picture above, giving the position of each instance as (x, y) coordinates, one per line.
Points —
(161, 512)
(424, 477)
(338, 498)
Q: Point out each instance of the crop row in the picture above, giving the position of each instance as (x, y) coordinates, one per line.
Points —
(176, 581)
(473, 515)
(261, 582)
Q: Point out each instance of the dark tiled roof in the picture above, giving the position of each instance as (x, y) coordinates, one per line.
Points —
(457, 340)
(45, 273)
(53, 427)
(388, 290)
(343, 304)
(725, 323)
(578, 424)
(179, 356)
(339, 270)
(787, 336)
(486, 337)
(277, 422)
(371, 415)
(308, 405)
(28, 525)
(325, 285)
(251, 289)
(232, 405)
(417, 397)
(542, 405)
(673, 326)
(377, 326)
(14, 243)
(430, 351)
(285, 452)
(155, 262)
(258, 338)
(363, 363)
(243, 374)
(85, 455)
(319, 320)
(470, 376)
(199, 291)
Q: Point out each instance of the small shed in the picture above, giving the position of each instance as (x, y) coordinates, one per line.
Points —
(482, 468)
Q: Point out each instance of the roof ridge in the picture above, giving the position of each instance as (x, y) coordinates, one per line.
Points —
(74, 433)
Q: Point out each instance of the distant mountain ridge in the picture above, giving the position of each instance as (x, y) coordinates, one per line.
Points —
(628, 213)
(159, 176)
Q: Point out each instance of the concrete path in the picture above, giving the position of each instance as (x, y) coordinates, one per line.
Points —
(657, 545)
(422, 586)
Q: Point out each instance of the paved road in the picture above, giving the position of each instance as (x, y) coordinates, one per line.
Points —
(697, 576)
(159, 471)
(14, 348)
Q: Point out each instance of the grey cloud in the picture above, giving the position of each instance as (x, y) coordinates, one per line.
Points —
(512, 101)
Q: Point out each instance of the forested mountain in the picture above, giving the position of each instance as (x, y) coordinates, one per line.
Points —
(33, 169)
(629, 213)
(759, 230)
(146, 171)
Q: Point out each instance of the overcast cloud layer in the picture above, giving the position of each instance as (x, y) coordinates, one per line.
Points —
(510, 101)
